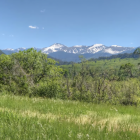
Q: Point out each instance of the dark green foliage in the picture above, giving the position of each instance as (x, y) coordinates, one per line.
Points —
(104, 85)
(137, 51)
(126, 70)
(22, 72)
(32, 73)
(121, 56)
(6, 69)
(49, 89)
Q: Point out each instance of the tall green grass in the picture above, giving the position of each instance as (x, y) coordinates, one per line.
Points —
(23, 118)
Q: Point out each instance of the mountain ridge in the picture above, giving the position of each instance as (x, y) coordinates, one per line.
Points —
(62, 52)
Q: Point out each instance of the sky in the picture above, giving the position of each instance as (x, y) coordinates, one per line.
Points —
(41, 23)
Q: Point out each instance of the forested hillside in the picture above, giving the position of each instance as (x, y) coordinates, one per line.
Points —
(105, 64)
(121, 56)
(31, 73)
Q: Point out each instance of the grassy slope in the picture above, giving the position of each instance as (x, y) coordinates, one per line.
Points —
(43, 119)
(113, 63)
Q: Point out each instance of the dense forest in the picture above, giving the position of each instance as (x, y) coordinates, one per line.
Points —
(31, 73)
(121, 56)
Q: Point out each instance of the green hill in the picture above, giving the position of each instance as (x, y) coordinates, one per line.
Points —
(104, 64)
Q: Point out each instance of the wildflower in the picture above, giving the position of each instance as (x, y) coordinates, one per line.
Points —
(115, 109)
(70, 134)
(79, 136)
(87, 136)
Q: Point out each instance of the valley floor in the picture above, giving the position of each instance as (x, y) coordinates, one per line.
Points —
(23, 118)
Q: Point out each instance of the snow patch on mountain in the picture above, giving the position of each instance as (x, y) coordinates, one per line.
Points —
(54, 48)
(109, 50)
(95, 48)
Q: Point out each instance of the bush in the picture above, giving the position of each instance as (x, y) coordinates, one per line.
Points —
(49, 89)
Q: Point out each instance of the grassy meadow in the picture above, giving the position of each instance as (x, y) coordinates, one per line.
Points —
(24, 118)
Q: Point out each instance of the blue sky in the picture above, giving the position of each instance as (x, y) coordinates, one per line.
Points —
(41, 23)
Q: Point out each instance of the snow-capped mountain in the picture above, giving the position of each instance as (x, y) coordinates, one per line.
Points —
(54, 48)
(81, 49)
(96, 48)
(64, 53)
(77, 49)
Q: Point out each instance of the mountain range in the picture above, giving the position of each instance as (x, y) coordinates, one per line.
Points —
(65, 53)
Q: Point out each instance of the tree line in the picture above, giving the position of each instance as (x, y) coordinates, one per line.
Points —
(31, 73)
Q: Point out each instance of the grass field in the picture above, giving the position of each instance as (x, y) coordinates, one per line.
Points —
(23, 118)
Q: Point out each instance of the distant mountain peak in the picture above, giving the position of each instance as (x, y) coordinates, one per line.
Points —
(53, 48)
(98, 45)
(57, 45)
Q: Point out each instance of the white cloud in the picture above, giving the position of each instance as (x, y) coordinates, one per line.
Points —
(131, 43)
(43, 28)
(33, 27)
(42, 11)
(3, 34)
